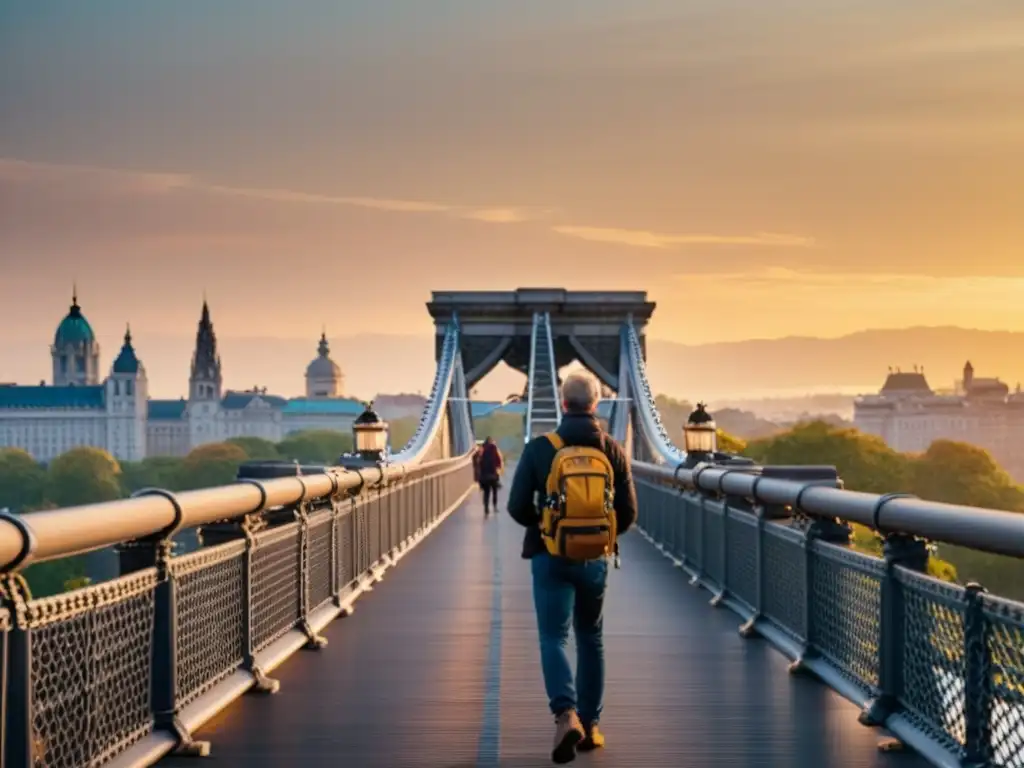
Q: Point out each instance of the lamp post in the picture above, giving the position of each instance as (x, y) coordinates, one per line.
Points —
(369, 438)
(700, 435)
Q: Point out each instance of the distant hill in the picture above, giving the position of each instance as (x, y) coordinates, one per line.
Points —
(722, 373)
(802, 364)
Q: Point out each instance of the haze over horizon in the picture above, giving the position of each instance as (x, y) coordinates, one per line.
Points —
(761, 171)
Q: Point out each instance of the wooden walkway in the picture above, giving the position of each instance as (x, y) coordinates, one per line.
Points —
(438, 667)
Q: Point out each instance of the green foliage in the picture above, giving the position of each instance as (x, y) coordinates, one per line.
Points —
(83, 476)
(729, 444)
(959, 473)
(315, 446)
(22, 480)
(865, 462)
(949, 471)
(154, 472)
(57, 576)
(210, 465)
(256, 448)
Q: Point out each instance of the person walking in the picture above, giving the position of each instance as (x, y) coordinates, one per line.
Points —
(573, 492)
(489, 466)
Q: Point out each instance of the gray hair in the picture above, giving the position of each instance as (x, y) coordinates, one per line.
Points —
(580, 392)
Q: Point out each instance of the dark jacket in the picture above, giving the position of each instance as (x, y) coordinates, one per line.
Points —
(532, 475)
(489, 463)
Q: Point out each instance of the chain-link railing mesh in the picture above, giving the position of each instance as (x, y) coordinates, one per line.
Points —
(92, 649)
(1005, 647)
(933, 656)
(830, 597)
(741, 558)
(320, 586)
(276, 584)
(91, 666)
(846, 604)
(784, 581)
(211, 617)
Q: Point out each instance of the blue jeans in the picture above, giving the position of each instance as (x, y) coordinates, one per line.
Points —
(564, 592)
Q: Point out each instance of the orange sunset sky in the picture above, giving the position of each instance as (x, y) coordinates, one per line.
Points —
(762, 168)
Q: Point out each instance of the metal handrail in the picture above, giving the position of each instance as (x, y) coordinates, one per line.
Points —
(52, 534)
(554, 370)
(529, 382)
(433, 414)
(653, 430)
(997, 531)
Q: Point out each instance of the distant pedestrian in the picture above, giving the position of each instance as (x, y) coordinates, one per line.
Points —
(489, 467)
(573, 491)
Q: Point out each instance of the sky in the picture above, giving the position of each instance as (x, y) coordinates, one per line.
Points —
(762, 169)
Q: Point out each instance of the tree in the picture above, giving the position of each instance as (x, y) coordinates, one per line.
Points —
(256, 448)
(211, 465)
(22, 480)
(83, 476)
(155, 472)
(729, 444)
(959, 473)
(865, 462)
(315, 446)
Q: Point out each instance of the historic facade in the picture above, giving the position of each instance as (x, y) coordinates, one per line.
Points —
(116, 413)
(909, 415)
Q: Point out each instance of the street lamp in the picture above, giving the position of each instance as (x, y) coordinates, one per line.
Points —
(700, 434)
(370, 435)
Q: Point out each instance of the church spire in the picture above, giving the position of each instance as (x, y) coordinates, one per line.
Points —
(324, 349)
(205, 380)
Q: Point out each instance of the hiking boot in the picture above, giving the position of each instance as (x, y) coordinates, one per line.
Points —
(568, 733)
(594, 739)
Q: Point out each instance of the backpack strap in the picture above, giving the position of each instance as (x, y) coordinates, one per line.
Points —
(556, 440)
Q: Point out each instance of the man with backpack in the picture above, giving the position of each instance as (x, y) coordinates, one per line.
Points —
(573, 492)
(489, 466)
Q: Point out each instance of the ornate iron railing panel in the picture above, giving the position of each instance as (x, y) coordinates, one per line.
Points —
(211, 617)
(940, 665)
(91, 653)
(125, 670)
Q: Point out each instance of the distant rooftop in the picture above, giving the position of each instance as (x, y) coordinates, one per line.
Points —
(52, 397)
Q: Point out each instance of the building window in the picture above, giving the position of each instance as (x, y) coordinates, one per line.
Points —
(117, 387)
(128, 387)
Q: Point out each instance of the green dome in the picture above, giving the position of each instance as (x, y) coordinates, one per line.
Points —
(74, 329)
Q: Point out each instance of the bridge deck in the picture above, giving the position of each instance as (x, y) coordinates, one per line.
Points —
(439, 667)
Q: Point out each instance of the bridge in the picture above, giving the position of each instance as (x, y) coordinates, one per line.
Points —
(742, 629)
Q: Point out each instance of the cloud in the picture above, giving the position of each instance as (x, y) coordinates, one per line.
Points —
(644, 239)
(124, 181)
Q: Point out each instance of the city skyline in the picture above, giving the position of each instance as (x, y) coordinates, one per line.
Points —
(857, 164)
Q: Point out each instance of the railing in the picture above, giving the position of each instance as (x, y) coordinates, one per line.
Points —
(529, 384)
(432, 419)
(123, 672)
(939, 665)
(650, 428)
(553, 368)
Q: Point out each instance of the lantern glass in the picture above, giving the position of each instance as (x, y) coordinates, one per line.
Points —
(700, 438)
(371, 438)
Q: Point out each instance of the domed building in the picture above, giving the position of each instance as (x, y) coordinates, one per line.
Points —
(323, 407)
(75, 351)
(78, 409)
(117, 415)
(323, 376)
